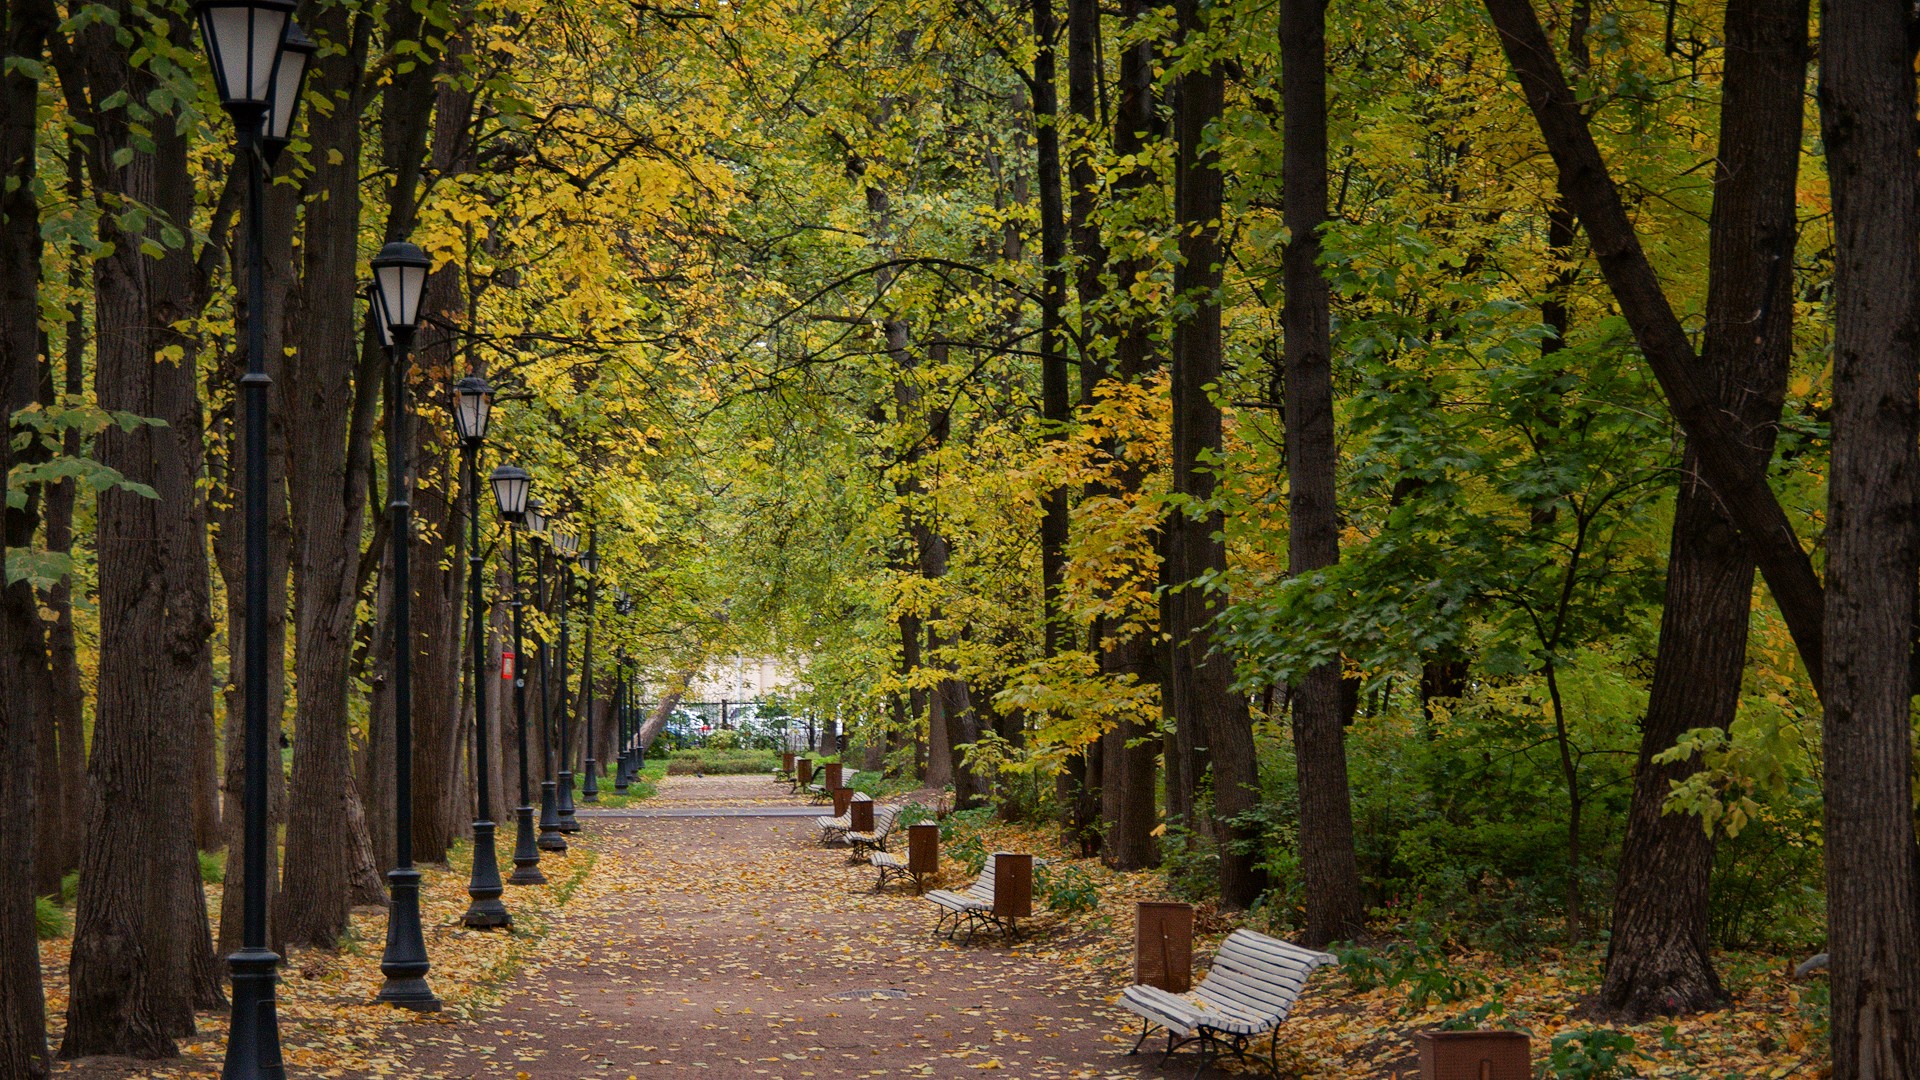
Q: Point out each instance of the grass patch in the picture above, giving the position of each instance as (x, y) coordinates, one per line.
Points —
(712, 762)
(645, 785)
(49, 921)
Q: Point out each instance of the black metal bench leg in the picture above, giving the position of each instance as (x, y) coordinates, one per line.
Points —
(1206, 1056)
(1146, 1028)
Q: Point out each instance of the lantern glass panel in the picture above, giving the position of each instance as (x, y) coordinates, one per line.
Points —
(288, 82)
(472, 404)
(243, 42)
(510, 488)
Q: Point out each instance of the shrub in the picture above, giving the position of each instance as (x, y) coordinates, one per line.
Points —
(1591, 1054)
(1067, 889)
(1420, 964)
(49, 921)
(721, 762)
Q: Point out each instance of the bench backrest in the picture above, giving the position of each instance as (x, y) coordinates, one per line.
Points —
(982, 887)
(884, 818)
(1259, 974)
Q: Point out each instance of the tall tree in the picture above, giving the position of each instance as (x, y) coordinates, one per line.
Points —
(1129, 758)
(1204, 701)
(330, 862)
(23, 1025)
(1590, 192)
(1329, 872)
(142, 956)
(1873, 548)
(1657, 955)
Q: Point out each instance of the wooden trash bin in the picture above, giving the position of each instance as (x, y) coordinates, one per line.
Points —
(1012, 885)
(786, 763)
(1163, 945)
(923, 852)
(1474, 1055)
(841, 797)
(861, 811)
(805, 776)
(834, 776)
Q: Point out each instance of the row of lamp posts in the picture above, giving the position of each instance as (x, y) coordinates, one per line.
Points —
(259, 60)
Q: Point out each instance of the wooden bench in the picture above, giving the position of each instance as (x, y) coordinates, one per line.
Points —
(884, 818)
(892, 867)
(973, 908)
(836, 828)
(818, 791)
(1248, 992)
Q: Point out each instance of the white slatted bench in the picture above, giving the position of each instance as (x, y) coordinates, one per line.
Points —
(818, 789)
(884, 818)
(972, 908)
(1248, 992)
(892, 866)
(835, 828)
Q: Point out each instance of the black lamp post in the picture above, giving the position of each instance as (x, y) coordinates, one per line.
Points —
(399, 279)
(591, 561)
(566, 545)
(551, 837)
(510, 489)
(623, 771)
(259, 61)
(472, 407)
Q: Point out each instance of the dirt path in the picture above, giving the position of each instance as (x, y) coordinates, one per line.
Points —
(739, 947)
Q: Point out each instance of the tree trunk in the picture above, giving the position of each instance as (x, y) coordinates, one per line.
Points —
(1327, 867)
(1657, 958)
(1590, 192)
(330, 857)
(23, 1021)
(1055, 398)
(63, 797)
(1127, 795)
(1873, 553)
(1202, 677)
(140, 950)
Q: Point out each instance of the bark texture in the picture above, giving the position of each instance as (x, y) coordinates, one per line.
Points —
(1873, 552)
(330, 862)
(141, 953)
(1331, 877)
(23, 1025)
(1657, 954)
(1203, 697)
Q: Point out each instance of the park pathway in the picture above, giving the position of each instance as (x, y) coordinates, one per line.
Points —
(733, 945)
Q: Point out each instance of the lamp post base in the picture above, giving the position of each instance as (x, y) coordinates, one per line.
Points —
(253, 1039)
(568, 824)
(405, 961)
(526, 855)
(486, 912)
(590, 791)
(551, 838)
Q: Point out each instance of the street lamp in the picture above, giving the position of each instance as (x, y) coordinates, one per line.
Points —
(247, 44)
(566, 544)
(551, 837)
(623, 771)
(472, 407)
(511, 487)
(399, 278)
(591, 561)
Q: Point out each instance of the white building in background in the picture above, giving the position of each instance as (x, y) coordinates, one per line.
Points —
(742, 678)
